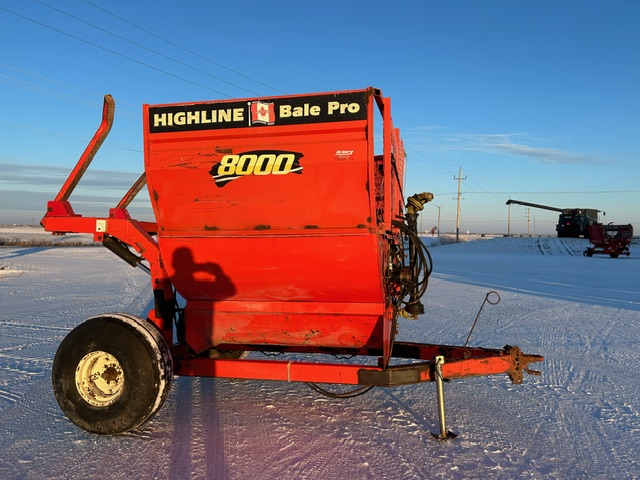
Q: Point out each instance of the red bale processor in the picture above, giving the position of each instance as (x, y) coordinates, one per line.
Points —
(281, 227)
(612, 240)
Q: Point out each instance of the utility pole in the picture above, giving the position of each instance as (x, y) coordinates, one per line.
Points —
(459, 179)
(437, 226)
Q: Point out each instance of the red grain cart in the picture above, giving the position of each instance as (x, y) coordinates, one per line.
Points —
(281, 226)
(612, 240)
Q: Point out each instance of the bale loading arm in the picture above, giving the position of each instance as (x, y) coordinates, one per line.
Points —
(535, 205)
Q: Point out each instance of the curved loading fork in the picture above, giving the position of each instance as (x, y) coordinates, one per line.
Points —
(118, 231)
(108, 111)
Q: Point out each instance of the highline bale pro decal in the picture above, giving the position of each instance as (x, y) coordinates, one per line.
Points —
(305, 109)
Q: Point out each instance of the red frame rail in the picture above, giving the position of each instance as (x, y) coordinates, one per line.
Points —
(460, 362)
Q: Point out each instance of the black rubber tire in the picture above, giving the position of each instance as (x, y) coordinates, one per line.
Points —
(143, 357)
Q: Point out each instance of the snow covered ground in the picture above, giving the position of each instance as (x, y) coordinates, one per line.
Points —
(580, 419)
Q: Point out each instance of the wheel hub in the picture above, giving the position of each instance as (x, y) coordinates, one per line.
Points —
(99, 378)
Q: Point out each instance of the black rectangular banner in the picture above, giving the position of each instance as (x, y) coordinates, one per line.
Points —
(336, 107)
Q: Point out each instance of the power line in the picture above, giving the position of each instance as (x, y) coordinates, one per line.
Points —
(412, 164)
(41, 89)
(56, 93)
(484, 194)
(21, 128)
(58, 82)
(113, 52)
(432, 167)
(183, 48)
(145, 48)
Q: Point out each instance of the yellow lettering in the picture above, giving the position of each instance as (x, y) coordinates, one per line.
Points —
(193, 117)
(159, 119)
(333, 106)
(228, 165)
(179, 118)
(262, 167)
(285, 111)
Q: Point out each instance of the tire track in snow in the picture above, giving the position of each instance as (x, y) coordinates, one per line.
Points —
(37, 370)
(558, 246)
(9, 396)
(29, 326)
(564, 245)
(143, 301)
(269, 430)
(581, 430)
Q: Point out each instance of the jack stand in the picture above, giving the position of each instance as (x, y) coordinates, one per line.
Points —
(444, 433)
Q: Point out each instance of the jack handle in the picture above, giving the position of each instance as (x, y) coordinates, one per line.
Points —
(108, 110)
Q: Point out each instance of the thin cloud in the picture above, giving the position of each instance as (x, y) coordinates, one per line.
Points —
(26, 189)
(425, 128)
(511, 144)
(543, 155)
(13, 175)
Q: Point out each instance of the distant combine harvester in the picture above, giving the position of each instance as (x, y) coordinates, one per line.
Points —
(572, 222)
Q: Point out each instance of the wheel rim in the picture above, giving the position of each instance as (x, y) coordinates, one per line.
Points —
(99, 378)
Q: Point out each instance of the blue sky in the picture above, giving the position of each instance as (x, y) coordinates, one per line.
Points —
(535, 100)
